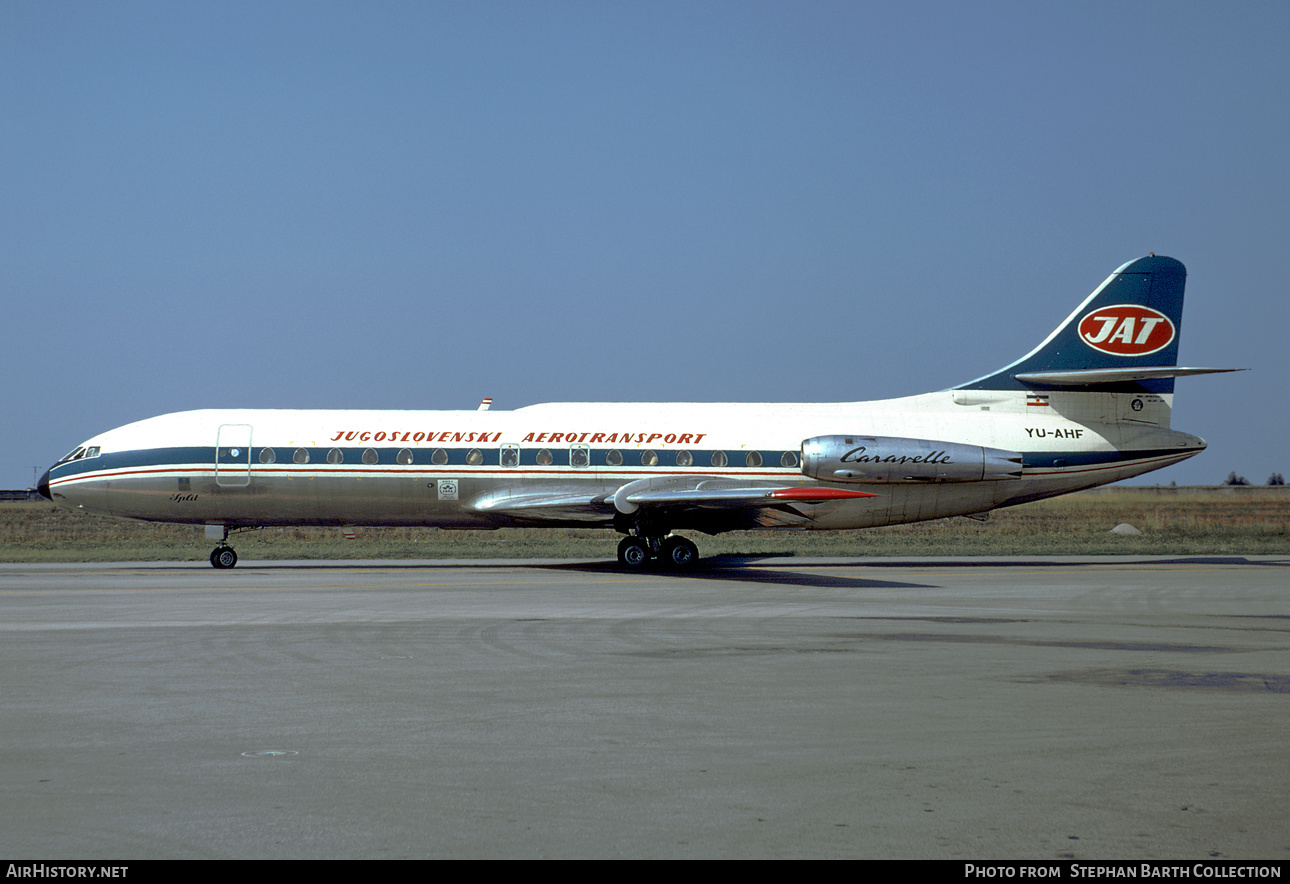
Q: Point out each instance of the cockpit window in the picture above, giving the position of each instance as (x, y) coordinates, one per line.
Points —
(75, 453)
(79, 452)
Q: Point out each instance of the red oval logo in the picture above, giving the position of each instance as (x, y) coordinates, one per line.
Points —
(1126, 330)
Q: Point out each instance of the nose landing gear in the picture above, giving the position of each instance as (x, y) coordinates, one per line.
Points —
(223, 556)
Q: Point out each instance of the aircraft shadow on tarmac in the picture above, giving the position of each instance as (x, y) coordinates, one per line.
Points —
(740, 569)
(737, 569)
(753, 569)
(1057, 562)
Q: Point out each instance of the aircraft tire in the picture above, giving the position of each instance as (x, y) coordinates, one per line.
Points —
(633, 553)
(223, 557)
(679, 554)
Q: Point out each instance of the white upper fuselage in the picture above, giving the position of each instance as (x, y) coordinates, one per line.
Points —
(452, 468)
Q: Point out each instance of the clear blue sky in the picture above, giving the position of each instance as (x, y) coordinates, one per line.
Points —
(415, 205)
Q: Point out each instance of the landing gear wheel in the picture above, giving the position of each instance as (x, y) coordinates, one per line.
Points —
(223, 557)
(633, 553)
(679, 554)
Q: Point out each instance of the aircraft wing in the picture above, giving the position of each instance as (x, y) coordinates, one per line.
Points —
(670, 492)
(569, 504)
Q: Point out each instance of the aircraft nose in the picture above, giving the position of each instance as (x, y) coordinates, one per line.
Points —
(43, 487)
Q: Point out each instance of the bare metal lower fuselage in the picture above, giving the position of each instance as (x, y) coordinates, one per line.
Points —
(502, 469)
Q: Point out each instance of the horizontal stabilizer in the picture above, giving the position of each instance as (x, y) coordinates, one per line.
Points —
(1092, 376)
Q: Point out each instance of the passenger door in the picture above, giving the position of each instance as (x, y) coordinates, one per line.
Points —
(233, 456)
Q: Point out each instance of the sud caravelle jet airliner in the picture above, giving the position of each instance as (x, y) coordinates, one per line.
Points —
(1088, 406)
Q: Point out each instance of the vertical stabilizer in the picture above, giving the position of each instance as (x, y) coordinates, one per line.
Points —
(1131, 323)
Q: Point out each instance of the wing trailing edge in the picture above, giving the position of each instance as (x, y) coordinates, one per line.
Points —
(737, 497)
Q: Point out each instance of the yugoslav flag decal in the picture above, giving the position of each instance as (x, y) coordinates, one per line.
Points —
(1126, 330)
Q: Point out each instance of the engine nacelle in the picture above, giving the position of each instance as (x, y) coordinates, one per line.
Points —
(892, 459)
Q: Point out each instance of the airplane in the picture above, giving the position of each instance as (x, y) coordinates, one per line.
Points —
(1088, 406)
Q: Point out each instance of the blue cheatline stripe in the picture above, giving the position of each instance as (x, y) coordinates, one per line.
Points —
(201, 459)
(1050, 459)
(421, 457)
(143, 457)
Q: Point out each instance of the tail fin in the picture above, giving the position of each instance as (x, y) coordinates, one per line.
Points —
(1126, 332)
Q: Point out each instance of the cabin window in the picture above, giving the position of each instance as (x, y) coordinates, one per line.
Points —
(613, 457)
(579, 456)
(753, 459)
(719, 459)
(649, 458)
(267, 455)
(439, 457)
(404, 457)
(510, 456)
(370, 456)
(474, 457)
(788, 460)
(684, 459)
(544, 458)
(301, 455)
(335, 456)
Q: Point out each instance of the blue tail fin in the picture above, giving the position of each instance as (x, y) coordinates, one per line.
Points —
(1124, 330)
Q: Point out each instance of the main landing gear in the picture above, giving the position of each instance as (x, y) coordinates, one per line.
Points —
(673, 552)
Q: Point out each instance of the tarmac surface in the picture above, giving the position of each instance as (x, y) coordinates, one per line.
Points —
(1048, 709)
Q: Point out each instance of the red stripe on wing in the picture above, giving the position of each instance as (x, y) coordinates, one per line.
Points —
(809, 494)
